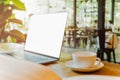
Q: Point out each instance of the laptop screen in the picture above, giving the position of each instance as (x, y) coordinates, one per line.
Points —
(45, 34)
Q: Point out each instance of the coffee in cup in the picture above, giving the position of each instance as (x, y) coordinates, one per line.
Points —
(85, 59)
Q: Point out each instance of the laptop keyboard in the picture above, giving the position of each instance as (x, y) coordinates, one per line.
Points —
(33, 57)
(37, 58)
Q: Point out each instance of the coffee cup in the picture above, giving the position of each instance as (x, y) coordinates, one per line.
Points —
(85, 59)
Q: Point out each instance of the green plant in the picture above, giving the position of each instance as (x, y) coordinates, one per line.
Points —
(6, 16)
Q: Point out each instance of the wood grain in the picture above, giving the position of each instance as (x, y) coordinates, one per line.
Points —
(13, 69)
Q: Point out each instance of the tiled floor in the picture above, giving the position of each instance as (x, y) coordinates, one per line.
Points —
(67, 51)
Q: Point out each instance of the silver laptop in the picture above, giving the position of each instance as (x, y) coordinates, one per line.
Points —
(45, 37)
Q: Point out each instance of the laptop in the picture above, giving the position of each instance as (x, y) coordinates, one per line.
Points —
(45, 36)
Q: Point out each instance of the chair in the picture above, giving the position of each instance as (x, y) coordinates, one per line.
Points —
(108, 53)
(110, 50)
(81, 38)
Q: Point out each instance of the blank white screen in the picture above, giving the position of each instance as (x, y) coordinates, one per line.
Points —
(45, 34)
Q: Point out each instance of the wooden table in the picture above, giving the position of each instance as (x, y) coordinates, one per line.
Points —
(18, 69)
(109, 69)
(14, 69)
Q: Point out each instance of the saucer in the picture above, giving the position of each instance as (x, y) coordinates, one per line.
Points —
(74, 67)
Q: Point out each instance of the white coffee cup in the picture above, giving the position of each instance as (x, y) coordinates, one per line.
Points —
(85, 59)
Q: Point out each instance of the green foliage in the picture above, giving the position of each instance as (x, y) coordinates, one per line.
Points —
(18, 5)
(7, 15)
(7, 7)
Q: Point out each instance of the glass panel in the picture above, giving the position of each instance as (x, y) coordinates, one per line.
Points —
(86, 12)
(36, 6)
(69, 9)
(108, 8)
(116, 16)
(57, 5)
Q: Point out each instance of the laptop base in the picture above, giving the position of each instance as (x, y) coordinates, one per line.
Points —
(37, 58)
(32, 57)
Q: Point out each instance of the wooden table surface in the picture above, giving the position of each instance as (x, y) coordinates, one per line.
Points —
(109, 69)
(14, 69)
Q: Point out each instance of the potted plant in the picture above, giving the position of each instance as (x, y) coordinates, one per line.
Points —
(7, 16)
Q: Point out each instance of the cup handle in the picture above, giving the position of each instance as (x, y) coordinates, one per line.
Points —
(99, 61)
(96, 64)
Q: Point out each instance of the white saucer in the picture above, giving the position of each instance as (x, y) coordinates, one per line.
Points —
(74, 67)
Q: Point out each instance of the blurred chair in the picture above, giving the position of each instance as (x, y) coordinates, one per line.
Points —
(111, 44)
(110, 50)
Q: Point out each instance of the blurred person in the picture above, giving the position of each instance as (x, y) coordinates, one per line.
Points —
(95, 24)
(110, 25)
